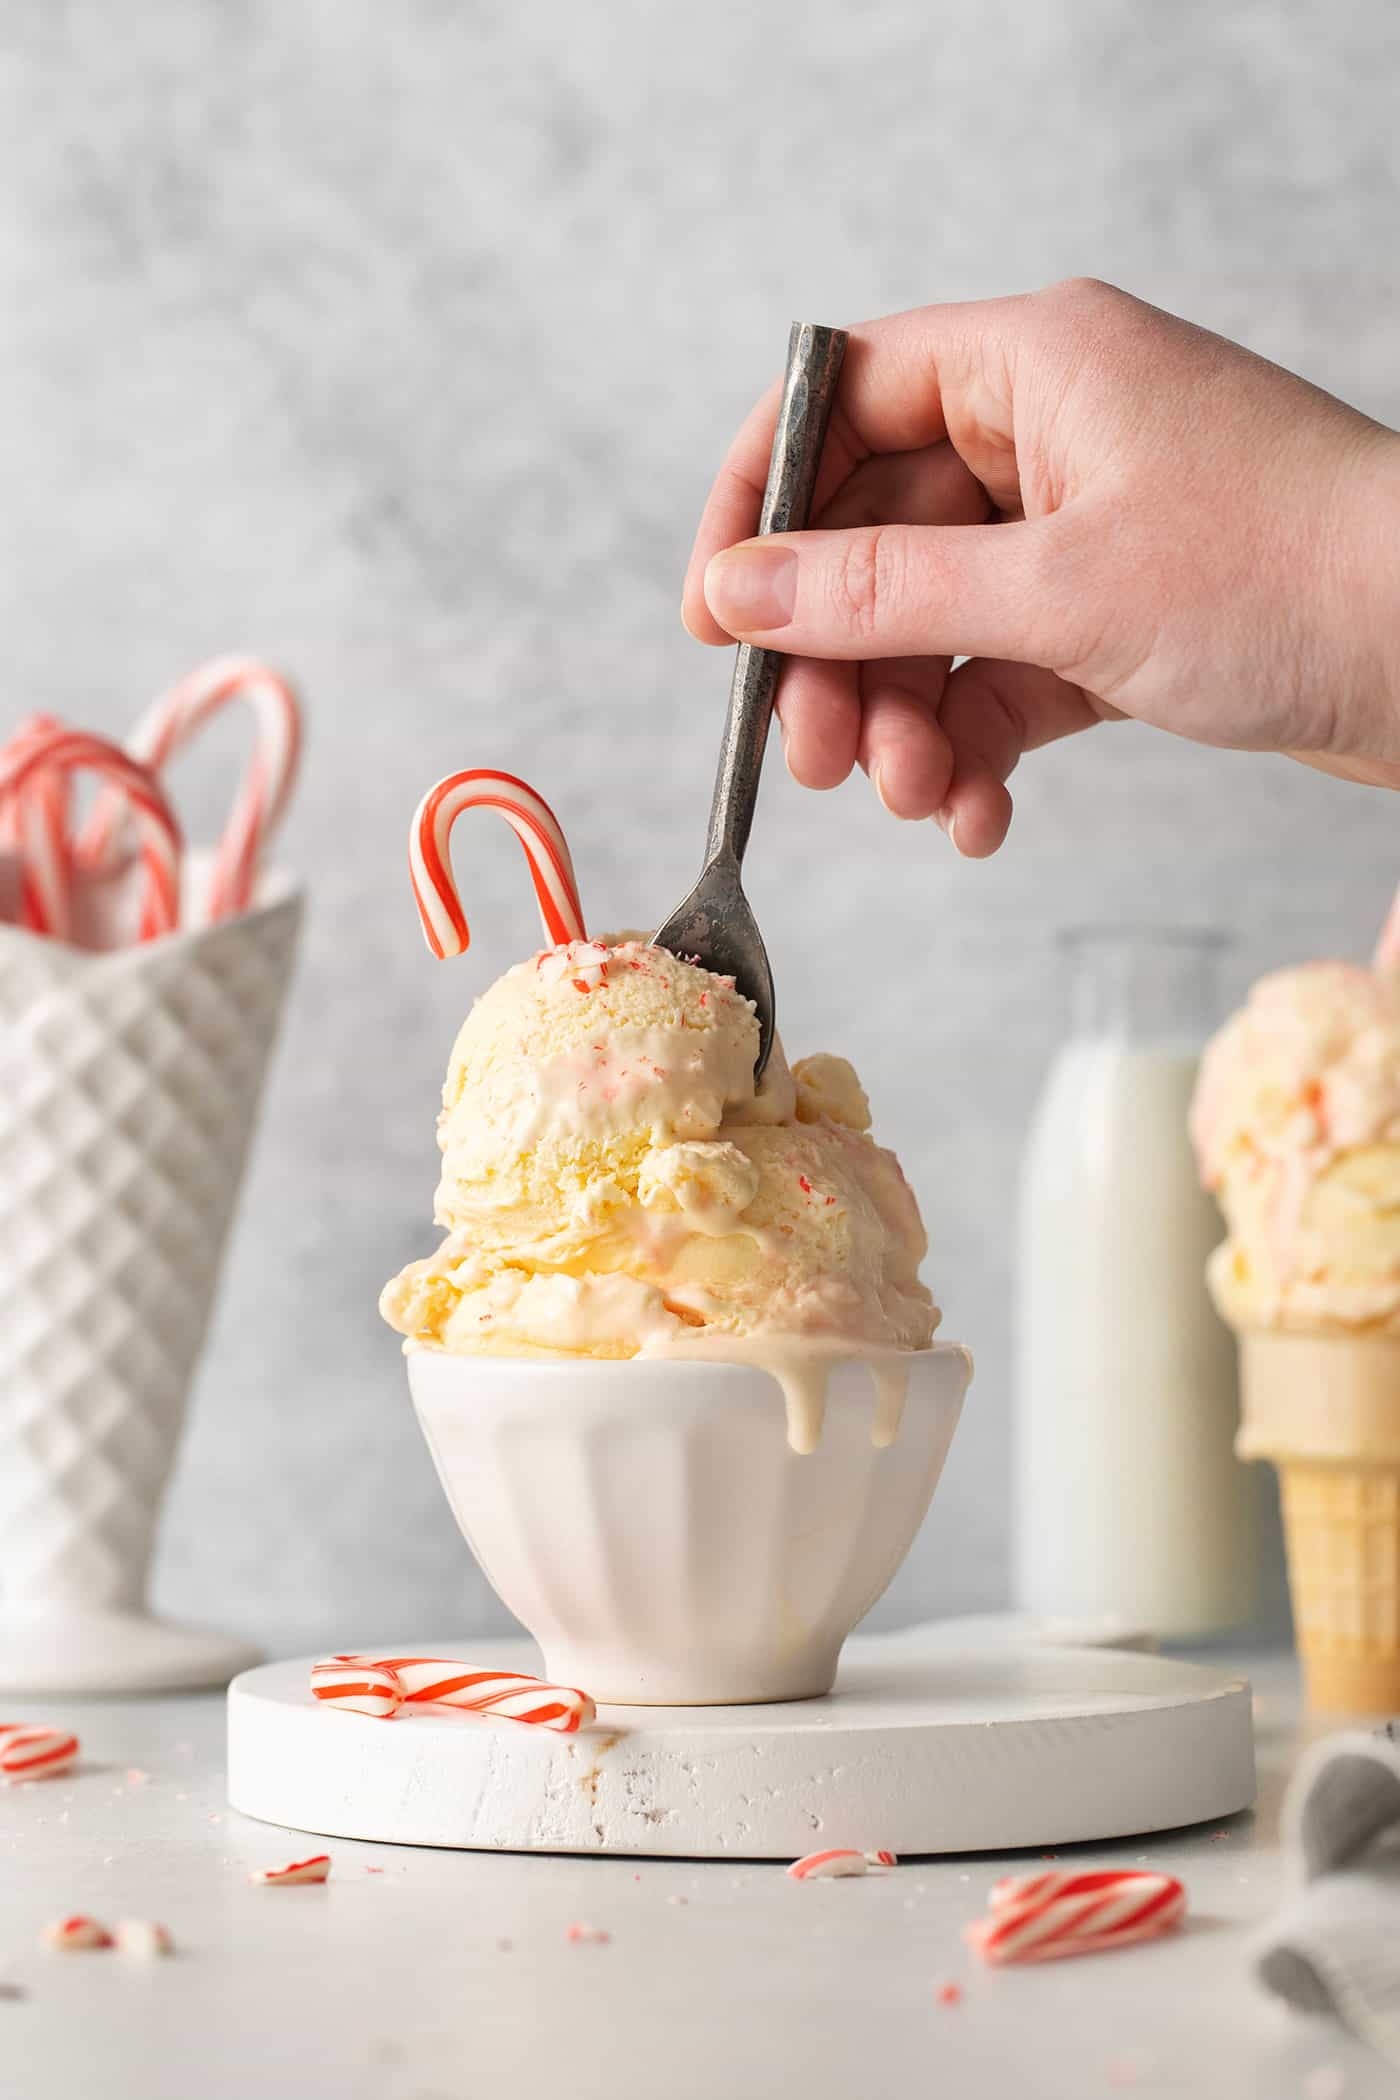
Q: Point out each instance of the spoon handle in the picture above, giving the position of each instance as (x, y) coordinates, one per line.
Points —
(809, 388)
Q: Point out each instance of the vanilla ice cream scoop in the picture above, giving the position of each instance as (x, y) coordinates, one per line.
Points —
(1296, 1123)
(614, 1182)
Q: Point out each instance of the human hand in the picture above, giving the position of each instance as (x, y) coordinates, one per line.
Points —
(1108, 511)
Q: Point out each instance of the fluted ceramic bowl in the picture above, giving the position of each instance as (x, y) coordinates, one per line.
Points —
(650, 1524)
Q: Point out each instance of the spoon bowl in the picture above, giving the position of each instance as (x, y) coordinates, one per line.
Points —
(716, 928)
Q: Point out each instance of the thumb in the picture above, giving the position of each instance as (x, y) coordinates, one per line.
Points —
(899, 590)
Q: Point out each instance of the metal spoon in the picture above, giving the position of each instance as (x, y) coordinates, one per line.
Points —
(715, 926)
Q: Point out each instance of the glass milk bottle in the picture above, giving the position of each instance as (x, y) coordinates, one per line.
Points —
(1129, 1501)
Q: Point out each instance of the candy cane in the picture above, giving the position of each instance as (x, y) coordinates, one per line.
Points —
(1047, 1916)
(300, 1874)
(835, 1865)
(355, 1685)
(75, 1935)
(882, 1859)
(70, 750)
(430, 1681)
(28, 1751)
(145, 1938)
(264, 790)
(34, 821)
(534, 823)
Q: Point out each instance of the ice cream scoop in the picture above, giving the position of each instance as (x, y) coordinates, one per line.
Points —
(715, 926)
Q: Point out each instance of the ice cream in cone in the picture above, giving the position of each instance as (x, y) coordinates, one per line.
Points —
(1297, 1126)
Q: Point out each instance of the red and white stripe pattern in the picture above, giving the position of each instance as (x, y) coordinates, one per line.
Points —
(534, 823)
(429, 1680)
(34, 824)
(30, 1751)
(363, 1684)
(301, 1873)
(266, 785)
(75, 1935)
(834, 1865)
(1043, 1917)
(882, 1859)
(59, 752)
(357, 1686)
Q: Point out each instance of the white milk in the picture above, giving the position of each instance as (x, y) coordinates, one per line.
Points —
(1128, 1498)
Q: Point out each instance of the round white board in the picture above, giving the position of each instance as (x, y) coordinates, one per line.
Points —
(934, 1740)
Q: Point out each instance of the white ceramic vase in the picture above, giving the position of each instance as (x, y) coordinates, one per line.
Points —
(129, 1087)
(650, 1524)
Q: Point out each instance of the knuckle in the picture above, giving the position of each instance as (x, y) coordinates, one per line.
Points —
(861, 583)
(1086, 295)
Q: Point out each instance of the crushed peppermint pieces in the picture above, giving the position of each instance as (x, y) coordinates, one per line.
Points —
(300, 1874)
(146, 1939)
(836, 1864)
(75, 1935)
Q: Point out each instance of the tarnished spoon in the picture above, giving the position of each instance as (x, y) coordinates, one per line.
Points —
(715, 926)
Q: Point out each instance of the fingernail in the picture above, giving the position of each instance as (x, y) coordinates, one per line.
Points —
(751, 590)
(947, 823)
(877, 781)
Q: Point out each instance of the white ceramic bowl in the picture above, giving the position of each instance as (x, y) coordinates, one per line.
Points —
(651, 1526)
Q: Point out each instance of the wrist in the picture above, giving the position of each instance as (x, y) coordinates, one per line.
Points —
(1367, 636)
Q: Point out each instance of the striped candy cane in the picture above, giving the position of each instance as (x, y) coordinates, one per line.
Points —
(34, 824)
(63, 751)
(534, 823)
(1046, 1916)
(266, 786)
(429, 1680)
(354, 1685)
(28, 1751)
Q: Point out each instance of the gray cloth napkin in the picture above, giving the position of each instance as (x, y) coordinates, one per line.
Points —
(1335, 1945)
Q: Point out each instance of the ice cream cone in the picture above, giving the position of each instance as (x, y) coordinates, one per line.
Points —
(1324, 1406)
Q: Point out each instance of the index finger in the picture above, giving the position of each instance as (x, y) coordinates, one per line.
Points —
(890, 399)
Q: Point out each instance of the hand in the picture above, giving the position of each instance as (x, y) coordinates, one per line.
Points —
(1107, 511)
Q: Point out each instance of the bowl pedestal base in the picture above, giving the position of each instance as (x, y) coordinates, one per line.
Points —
(940, 1738)
(91, 1653)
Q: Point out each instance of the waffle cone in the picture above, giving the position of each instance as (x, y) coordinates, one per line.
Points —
(1325, 1408)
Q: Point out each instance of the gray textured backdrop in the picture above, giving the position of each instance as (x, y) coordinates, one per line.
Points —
(398, 342)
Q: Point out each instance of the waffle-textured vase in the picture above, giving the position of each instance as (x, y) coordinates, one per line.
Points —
(652, 1526)
(129, 1087)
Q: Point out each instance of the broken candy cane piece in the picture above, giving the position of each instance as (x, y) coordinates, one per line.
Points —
(30, 1751)
(353, 1684)
(75, 1935)
(298, 1874)
(145, 1938)
(828, 1866)
(429, 1680)
(1046, 1916)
